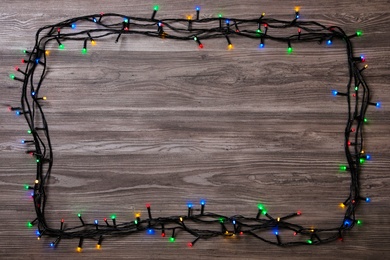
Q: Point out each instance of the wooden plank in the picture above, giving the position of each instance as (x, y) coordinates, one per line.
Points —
(149, 120)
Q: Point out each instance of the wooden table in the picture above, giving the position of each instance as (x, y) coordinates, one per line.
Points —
(158, 121)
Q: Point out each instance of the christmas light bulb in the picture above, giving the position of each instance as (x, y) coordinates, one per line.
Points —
(343, 168)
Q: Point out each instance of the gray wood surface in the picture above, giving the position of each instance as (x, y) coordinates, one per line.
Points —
(159, 121)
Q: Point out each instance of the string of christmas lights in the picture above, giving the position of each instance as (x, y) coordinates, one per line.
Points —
(192, 28)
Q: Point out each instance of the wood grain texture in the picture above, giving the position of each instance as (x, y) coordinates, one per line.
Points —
(149, 120)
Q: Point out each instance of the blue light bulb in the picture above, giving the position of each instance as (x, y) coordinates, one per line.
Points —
(150, 231)
(202, 202)
(368, 157)
(23, 141)
(368, 200)
(334, 92)
(33, 93)
(52, 244)
(189, 205)
(329, 42)
(17, 113)
(378, 104)
(197, 8)
(96, 221)
(38, 233)
(347, 223)
(73, 26)
(94, 20)
(261, 45)
(234, 222)
(125, 20)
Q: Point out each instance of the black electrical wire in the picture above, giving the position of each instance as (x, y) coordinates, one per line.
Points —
(106, 25)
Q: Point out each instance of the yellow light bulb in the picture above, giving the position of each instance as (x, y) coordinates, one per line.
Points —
(297, 8)
(79, 249)
(189, 17)
(181, 219)
(230, 46)
(278, 219)
(93, 42)
(98, 246)
(263, 14)
(47, 52)
(137, 215)
(36, 181)
(44, 98)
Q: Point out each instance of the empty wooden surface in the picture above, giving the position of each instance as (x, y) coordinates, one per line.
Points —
(159, 121)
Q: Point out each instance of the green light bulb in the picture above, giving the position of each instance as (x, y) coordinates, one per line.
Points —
(220, 15)
(172, 239)
(38, 160)
(258, 31)
(26, 187)
(356, 88)
(221, 220)
(29, 131)
(12, 76)
(365, 120)
(359, 222)
(343, 168)
(260, 206)
(362, 160)
(79, 215)
(61, 47)
(84, 51)
(289, 50)
(265, 212)
(25, 51)
(155, 8)
(309, 241)
(359, 33)
(29, 225)
(113, 217)
(136, 222)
